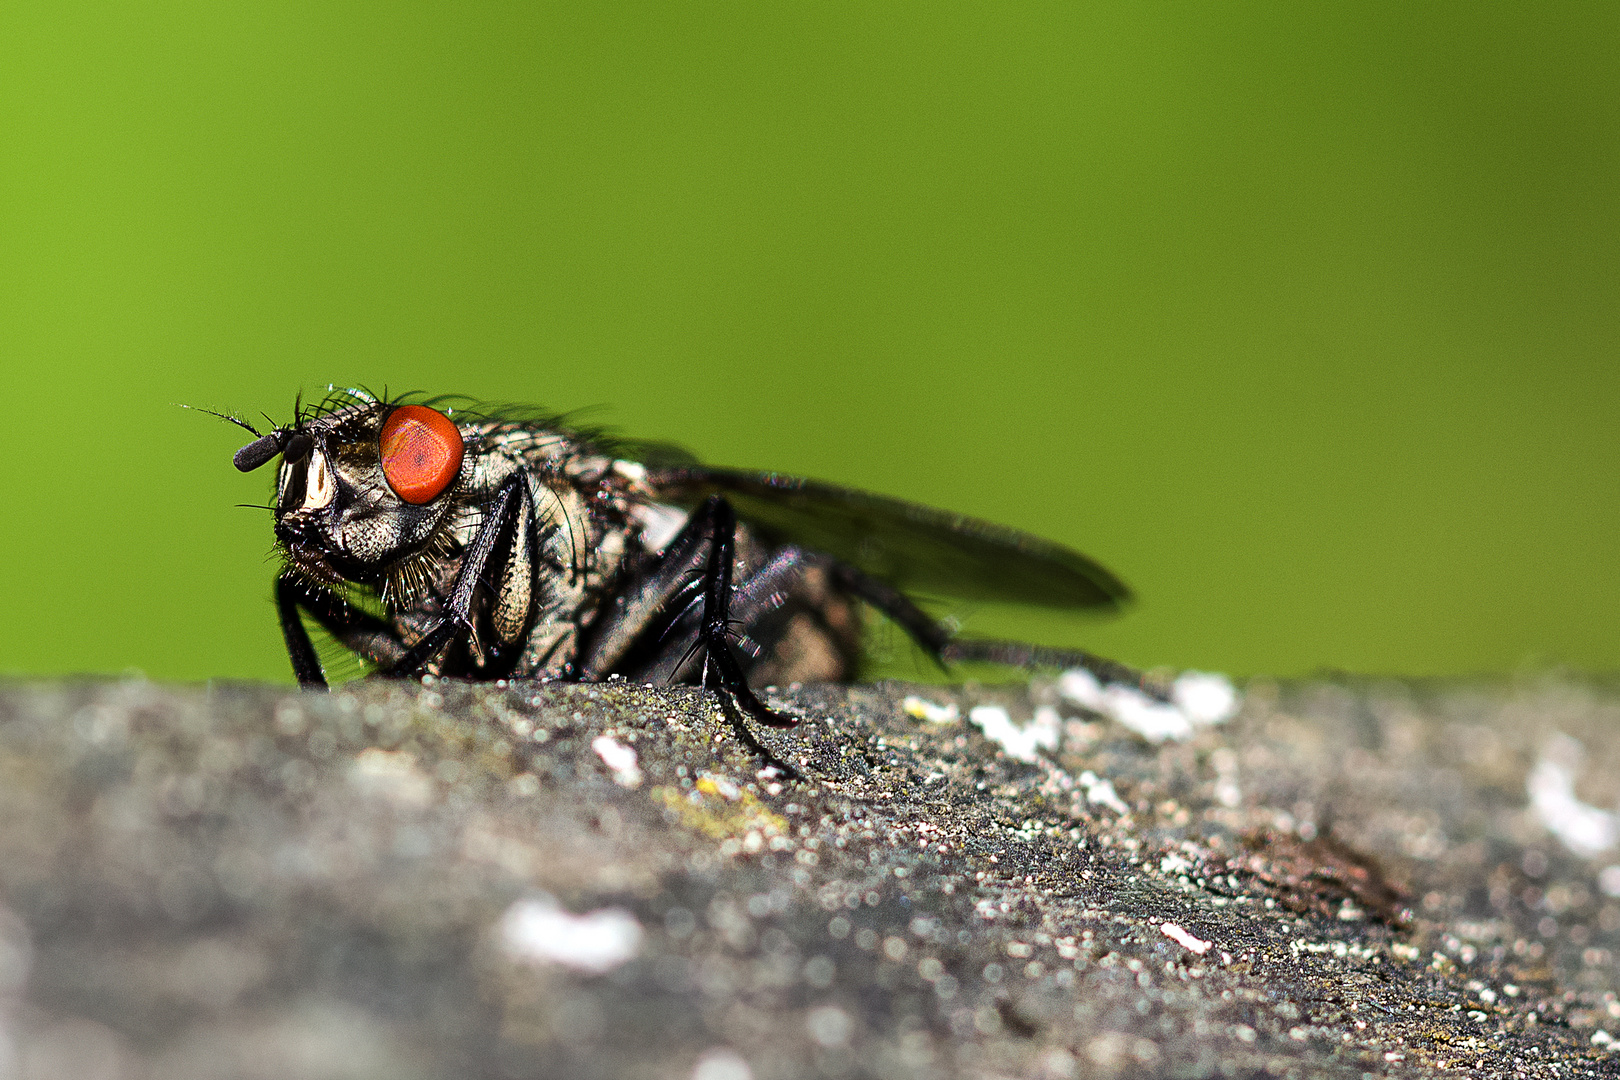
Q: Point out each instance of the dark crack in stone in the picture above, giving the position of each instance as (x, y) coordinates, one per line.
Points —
(399, 880)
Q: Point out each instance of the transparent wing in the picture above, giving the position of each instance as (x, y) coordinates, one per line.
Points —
(918, 549)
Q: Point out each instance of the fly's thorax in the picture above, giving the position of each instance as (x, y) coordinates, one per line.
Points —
(549, 576)
(579, 528)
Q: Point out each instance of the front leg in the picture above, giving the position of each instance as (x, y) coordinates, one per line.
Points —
(511, 508)
(354, 629)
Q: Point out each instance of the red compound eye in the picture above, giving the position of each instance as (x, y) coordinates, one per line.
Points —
(421, 453)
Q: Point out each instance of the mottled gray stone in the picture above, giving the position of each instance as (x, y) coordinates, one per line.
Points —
(246, 882)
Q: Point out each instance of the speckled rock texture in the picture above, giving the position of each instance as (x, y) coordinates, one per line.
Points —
(398, 880)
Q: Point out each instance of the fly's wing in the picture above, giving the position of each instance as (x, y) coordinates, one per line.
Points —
(917, 549)
(661, 458)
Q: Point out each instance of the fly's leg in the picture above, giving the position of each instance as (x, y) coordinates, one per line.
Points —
(300, 650)
(1024, 655)
(938, 643)
(667, 640)
(921, 626)
(641, 620)
(714, 636)
(510, 508)
(792, 622)
(651, 632)
(720, 659)
(355, 629)
(686, 604)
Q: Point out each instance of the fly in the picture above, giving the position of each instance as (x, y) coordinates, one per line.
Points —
(486, 543)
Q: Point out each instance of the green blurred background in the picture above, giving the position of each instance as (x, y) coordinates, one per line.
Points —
(1301, 317)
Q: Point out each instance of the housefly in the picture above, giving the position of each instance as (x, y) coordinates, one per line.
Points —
(435, 536)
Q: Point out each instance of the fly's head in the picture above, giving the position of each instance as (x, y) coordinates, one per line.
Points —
(365, 488)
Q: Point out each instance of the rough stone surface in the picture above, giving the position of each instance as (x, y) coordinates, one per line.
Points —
(398, 880)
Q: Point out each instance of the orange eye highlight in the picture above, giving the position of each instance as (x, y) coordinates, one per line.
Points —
(421, 453)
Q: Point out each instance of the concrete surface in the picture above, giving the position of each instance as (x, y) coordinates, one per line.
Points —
(398, 880)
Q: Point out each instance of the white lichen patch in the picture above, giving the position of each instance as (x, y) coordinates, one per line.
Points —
(1583, 829)
(1173, 863)
(1184, 939)
(923, 709)
(392, 775)
(1205, 698)
(1338, 949)
(1101, 792)
(538, 931)
(722, 1063)
(619, 758)
(1041, 733)
(1197, 700)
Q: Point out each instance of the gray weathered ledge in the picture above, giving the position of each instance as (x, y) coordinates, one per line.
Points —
(246, 882)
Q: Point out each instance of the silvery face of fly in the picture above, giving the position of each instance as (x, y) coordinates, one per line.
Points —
(484, 543)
